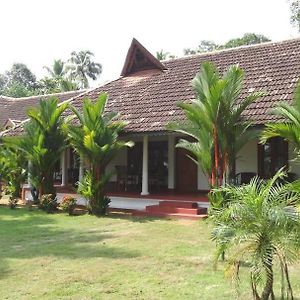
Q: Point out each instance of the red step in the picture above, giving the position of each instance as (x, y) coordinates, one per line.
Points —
(141, 213)
(181, 204)
(176, 210)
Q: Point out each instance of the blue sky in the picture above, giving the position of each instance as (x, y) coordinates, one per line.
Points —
(36, 32)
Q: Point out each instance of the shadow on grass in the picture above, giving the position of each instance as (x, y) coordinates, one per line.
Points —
(30, 234)
(135, 219)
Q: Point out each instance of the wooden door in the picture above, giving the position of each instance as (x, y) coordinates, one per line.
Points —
(186, 172)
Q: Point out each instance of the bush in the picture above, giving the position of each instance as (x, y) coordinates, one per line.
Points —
(93, 191)
(49, 203)
(68, 204)
(12, 202)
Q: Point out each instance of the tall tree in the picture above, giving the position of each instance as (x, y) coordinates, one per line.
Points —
(57, 70)
(59, 80)
(214, 121)
(17, 82)
(95, 139)
(20, 74)
(246, 39)
(295, 13)
(81, 67)
(204, 46)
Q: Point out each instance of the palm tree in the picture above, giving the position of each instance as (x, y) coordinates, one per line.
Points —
(290, 129)
(96, 141)
(59, 80)
(12, 169)
(259, 225)
(161, 55)
(57, 70)
(43, 142)
(215, 121)
(81, 67)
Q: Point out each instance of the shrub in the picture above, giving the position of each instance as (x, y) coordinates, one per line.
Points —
(68, 204)
(48, 203)
(12, 202)
(93, 191)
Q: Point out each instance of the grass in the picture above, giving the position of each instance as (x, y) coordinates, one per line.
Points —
(60, 257)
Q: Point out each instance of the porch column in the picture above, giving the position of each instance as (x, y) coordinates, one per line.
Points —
(63, 169)
(171, 162)
(145, 167)
(81, 171)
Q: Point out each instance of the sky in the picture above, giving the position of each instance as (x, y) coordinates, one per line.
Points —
(37, 32)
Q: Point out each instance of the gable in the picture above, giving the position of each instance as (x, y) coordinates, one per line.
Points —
(140, 59)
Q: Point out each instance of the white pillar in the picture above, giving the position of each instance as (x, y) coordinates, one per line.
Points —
(81, 170)
(28, 173)
(145, 167)
(171, 162)
(63, 169)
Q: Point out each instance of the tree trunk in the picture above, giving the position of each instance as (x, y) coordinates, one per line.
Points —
(216, 156)
(268, 289)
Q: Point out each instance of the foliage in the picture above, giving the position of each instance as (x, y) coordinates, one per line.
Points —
(96, 140)
(295, 13)
(246, 39)
(93, 191)
(81, 67)
(214, 122)
(204, 46)
(12, 202)
(259, 226)
(290, 129)
(59, 80)
(17, 82)
(48, 203)
(17, 90)
(13, 170)
(161, 55)
(43, 142)
(68, 204)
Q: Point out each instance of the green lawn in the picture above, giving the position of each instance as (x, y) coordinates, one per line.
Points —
(60, 257)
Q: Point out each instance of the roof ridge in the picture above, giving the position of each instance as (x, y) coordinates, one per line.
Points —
(217, 51)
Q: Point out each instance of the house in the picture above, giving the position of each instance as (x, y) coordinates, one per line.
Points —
(146, 94)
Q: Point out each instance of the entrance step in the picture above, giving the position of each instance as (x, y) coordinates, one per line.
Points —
(182, 204)
(142, 213)
(173, 209)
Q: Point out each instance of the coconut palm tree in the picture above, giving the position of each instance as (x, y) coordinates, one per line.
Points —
(290, 129)
(43, 142)
(81, 67)
(57, 70)
(59, 80)
(96, 140)
(259, 225)
(215, 121)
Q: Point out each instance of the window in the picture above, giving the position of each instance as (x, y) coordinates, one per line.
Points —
(272, 156)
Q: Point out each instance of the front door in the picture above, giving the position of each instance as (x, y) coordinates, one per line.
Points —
(186, 172)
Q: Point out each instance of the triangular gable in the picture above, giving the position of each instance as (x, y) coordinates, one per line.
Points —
(139, 59)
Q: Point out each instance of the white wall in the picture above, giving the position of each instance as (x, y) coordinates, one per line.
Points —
(119, 160)
(202, 182)
(247, 158)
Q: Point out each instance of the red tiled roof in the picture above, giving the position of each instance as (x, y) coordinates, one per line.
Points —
(16, 108)
(147, 99)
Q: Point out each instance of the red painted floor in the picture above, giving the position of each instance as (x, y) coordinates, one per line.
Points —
(194, 197)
